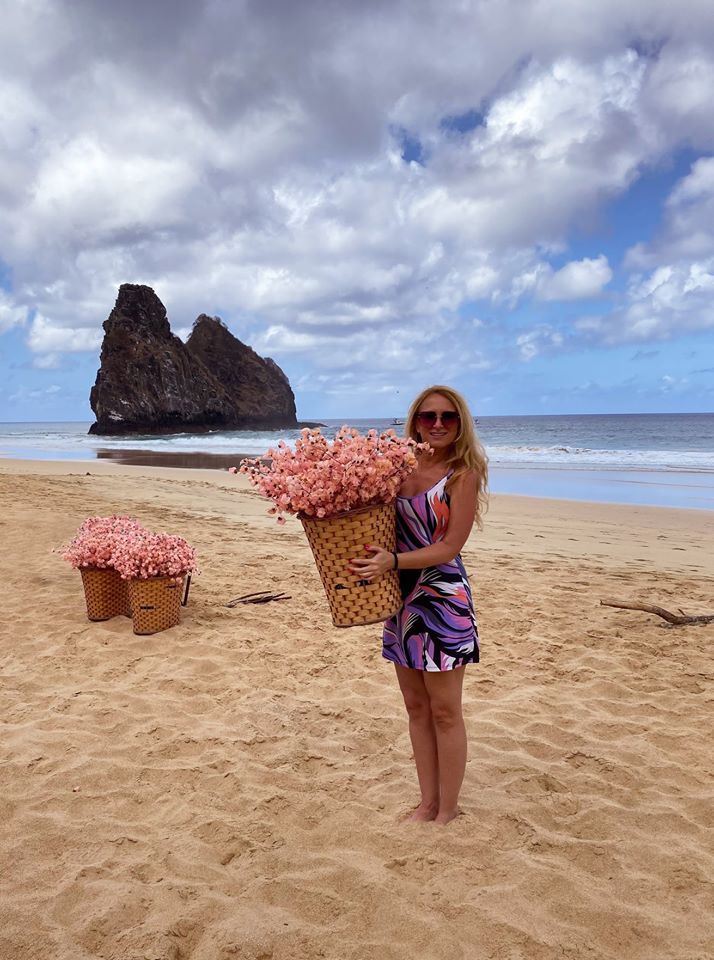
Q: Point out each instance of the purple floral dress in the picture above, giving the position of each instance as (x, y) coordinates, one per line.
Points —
(436, 628)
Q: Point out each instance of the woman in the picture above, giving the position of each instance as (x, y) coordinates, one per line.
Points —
(434, 635)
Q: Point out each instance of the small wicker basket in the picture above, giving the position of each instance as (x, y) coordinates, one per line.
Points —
(155, 603)
(105, 593)
(334, 542)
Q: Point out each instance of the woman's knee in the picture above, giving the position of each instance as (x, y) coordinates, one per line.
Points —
(415, 694)
(445, 715)
(444, 691)
(418, 705)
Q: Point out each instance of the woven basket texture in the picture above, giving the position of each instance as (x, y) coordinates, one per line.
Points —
(334, 542)
(105, 592)
(155, 603)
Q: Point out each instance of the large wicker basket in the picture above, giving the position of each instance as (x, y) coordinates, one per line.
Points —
(105, 593)
(334, 542)
(155, 603)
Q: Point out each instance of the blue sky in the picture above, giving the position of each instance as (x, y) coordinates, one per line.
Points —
(515, 198)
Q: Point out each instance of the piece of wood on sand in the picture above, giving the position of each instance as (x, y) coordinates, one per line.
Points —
(677, 620)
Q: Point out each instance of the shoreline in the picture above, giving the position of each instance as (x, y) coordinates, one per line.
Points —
(538, 527)
(677, 490)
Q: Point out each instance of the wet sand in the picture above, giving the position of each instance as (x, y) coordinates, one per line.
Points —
(191, 460)
(680, 489)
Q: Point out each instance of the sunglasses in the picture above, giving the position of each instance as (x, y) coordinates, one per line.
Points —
(428, 418)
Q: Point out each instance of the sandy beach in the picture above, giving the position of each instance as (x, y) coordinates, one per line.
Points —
(232, 787)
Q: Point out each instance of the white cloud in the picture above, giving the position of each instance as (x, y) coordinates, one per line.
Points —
(367, 350)
(47, 361)
(672, 300)
(678, 93)
(575, 281)
(673, 292)
(542, 339)
(44, 393)
(45, 336)
(83, 187)
(669, 384)
(11, 315)
(248, 165)
(688, 229)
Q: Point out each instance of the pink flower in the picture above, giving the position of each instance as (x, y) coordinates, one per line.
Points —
(96, 540)
(322, 479)
(154, 555)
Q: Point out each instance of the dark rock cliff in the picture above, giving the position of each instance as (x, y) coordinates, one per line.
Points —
(258, 387)
(151, 382)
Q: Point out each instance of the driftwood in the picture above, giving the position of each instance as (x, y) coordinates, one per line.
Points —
(673, 618)
(261, 596)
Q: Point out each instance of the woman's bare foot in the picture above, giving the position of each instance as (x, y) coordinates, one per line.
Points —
(423, 813)
(446, 816)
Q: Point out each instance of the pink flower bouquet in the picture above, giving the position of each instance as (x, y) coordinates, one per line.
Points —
(322, 479)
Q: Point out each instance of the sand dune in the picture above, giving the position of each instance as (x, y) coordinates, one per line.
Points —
(231, 788)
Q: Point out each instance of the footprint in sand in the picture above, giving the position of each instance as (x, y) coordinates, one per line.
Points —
(513, 832)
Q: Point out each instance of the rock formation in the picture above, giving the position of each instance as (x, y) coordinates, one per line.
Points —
(258, 387)
(151, 382)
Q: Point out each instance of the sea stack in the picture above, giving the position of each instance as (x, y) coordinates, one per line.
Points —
(258, 388)
(149, 381)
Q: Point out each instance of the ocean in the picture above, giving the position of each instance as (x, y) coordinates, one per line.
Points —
(657, 459)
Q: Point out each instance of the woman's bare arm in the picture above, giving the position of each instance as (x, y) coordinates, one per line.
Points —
(462, 512)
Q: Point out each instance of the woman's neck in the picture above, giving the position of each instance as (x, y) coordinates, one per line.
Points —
(439, 458)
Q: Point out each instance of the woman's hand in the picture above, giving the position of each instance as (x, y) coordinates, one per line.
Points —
(369, 568)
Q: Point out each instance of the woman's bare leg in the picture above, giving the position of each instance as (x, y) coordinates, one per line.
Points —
(423, 737)
(444, 690)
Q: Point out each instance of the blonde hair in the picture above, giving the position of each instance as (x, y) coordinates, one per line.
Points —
(467, 454)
